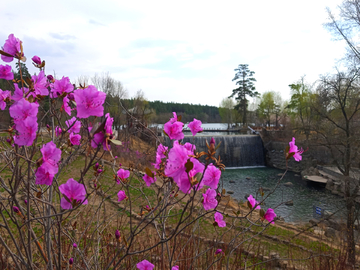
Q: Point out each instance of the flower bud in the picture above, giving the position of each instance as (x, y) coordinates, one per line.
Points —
(100, 171)
(218, 251)
(96, 166)
(50, 78)
(117, 235)
(36, 60)
(75, 245)
(16, 209)
(212, 141)
(25, 201)
(71, 96)
(71, 261)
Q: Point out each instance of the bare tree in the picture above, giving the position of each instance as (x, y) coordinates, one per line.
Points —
(338, 105)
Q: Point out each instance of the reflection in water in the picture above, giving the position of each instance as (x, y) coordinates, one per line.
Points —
(303, 195)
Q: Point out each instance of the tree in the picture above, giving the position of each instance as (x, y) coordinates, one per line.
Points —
(338, 105)
(244, 79)
(226, 110)
(347, 25)
(300, 104)
(267, 107)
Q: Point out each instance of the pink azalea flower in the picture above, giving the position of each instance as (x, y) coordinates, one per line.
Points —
(51, 154)
(219, 219)
(61, 86)
(161, 150)
(12, 47)
(149, 180)
(40, 84)
(218, 251)
(184, 182)
(108, 124)
(58, 131)
(74, 128)
(121, 195)
(45, 174)
(36, 60)
(89, 102)
(74, 191)
(27, 131)
(66, 106)
(212, 176)
(190, 147)
(74, 138)
(195, 126)
(209, 199)
(270, 215)
(252, 201)
(294, 149)
(99, 138)
(175, 267)
(174, 130)
(23, 109)
(145, 265)
(174, 118)
(19, 93)
(177, 158)
(5, 73)
(123, 174)
(4, 95)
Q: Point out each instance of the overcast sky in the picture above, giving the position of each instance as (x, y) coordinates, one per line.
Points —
(180, 51)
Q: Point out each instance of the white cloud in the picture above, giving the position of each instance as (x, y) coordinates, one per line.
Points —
(178, 51)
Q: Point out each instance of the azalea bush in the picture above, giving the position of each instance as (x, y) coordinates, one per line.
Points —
(53, 219)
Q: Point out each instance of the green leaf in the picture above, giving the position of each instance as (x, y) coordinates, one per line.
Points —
(189, 166)
(198, 176)
(249, 205)
(218, 145)
(287, 149)
(115, 141)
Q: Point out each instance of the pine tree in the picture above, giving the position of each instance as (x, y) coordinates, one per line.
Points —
(244, 79)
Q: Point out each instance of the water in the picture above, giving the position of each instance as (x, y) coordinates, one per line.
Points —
(204, 126)
(235, 150)
(302, 194)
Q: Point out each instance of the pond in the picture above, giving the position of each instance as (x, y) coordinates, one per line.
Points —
(303, 194)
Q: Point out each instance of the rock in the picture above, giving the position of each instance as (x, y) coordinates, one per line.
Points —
(273, 151)
(288, 184)
(330, 232)
(335, 192)
(334, 225)
(248, 178)
(232, 181)
(230, 192)
(280, 174)
(313, 222)
(314, 163)
(246, 196)
(280, 218)
(289, 203)
(266, 189)
(297, 175)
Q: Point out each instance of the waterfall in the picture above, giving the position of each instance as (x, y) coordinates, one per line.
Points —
(234, 151)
